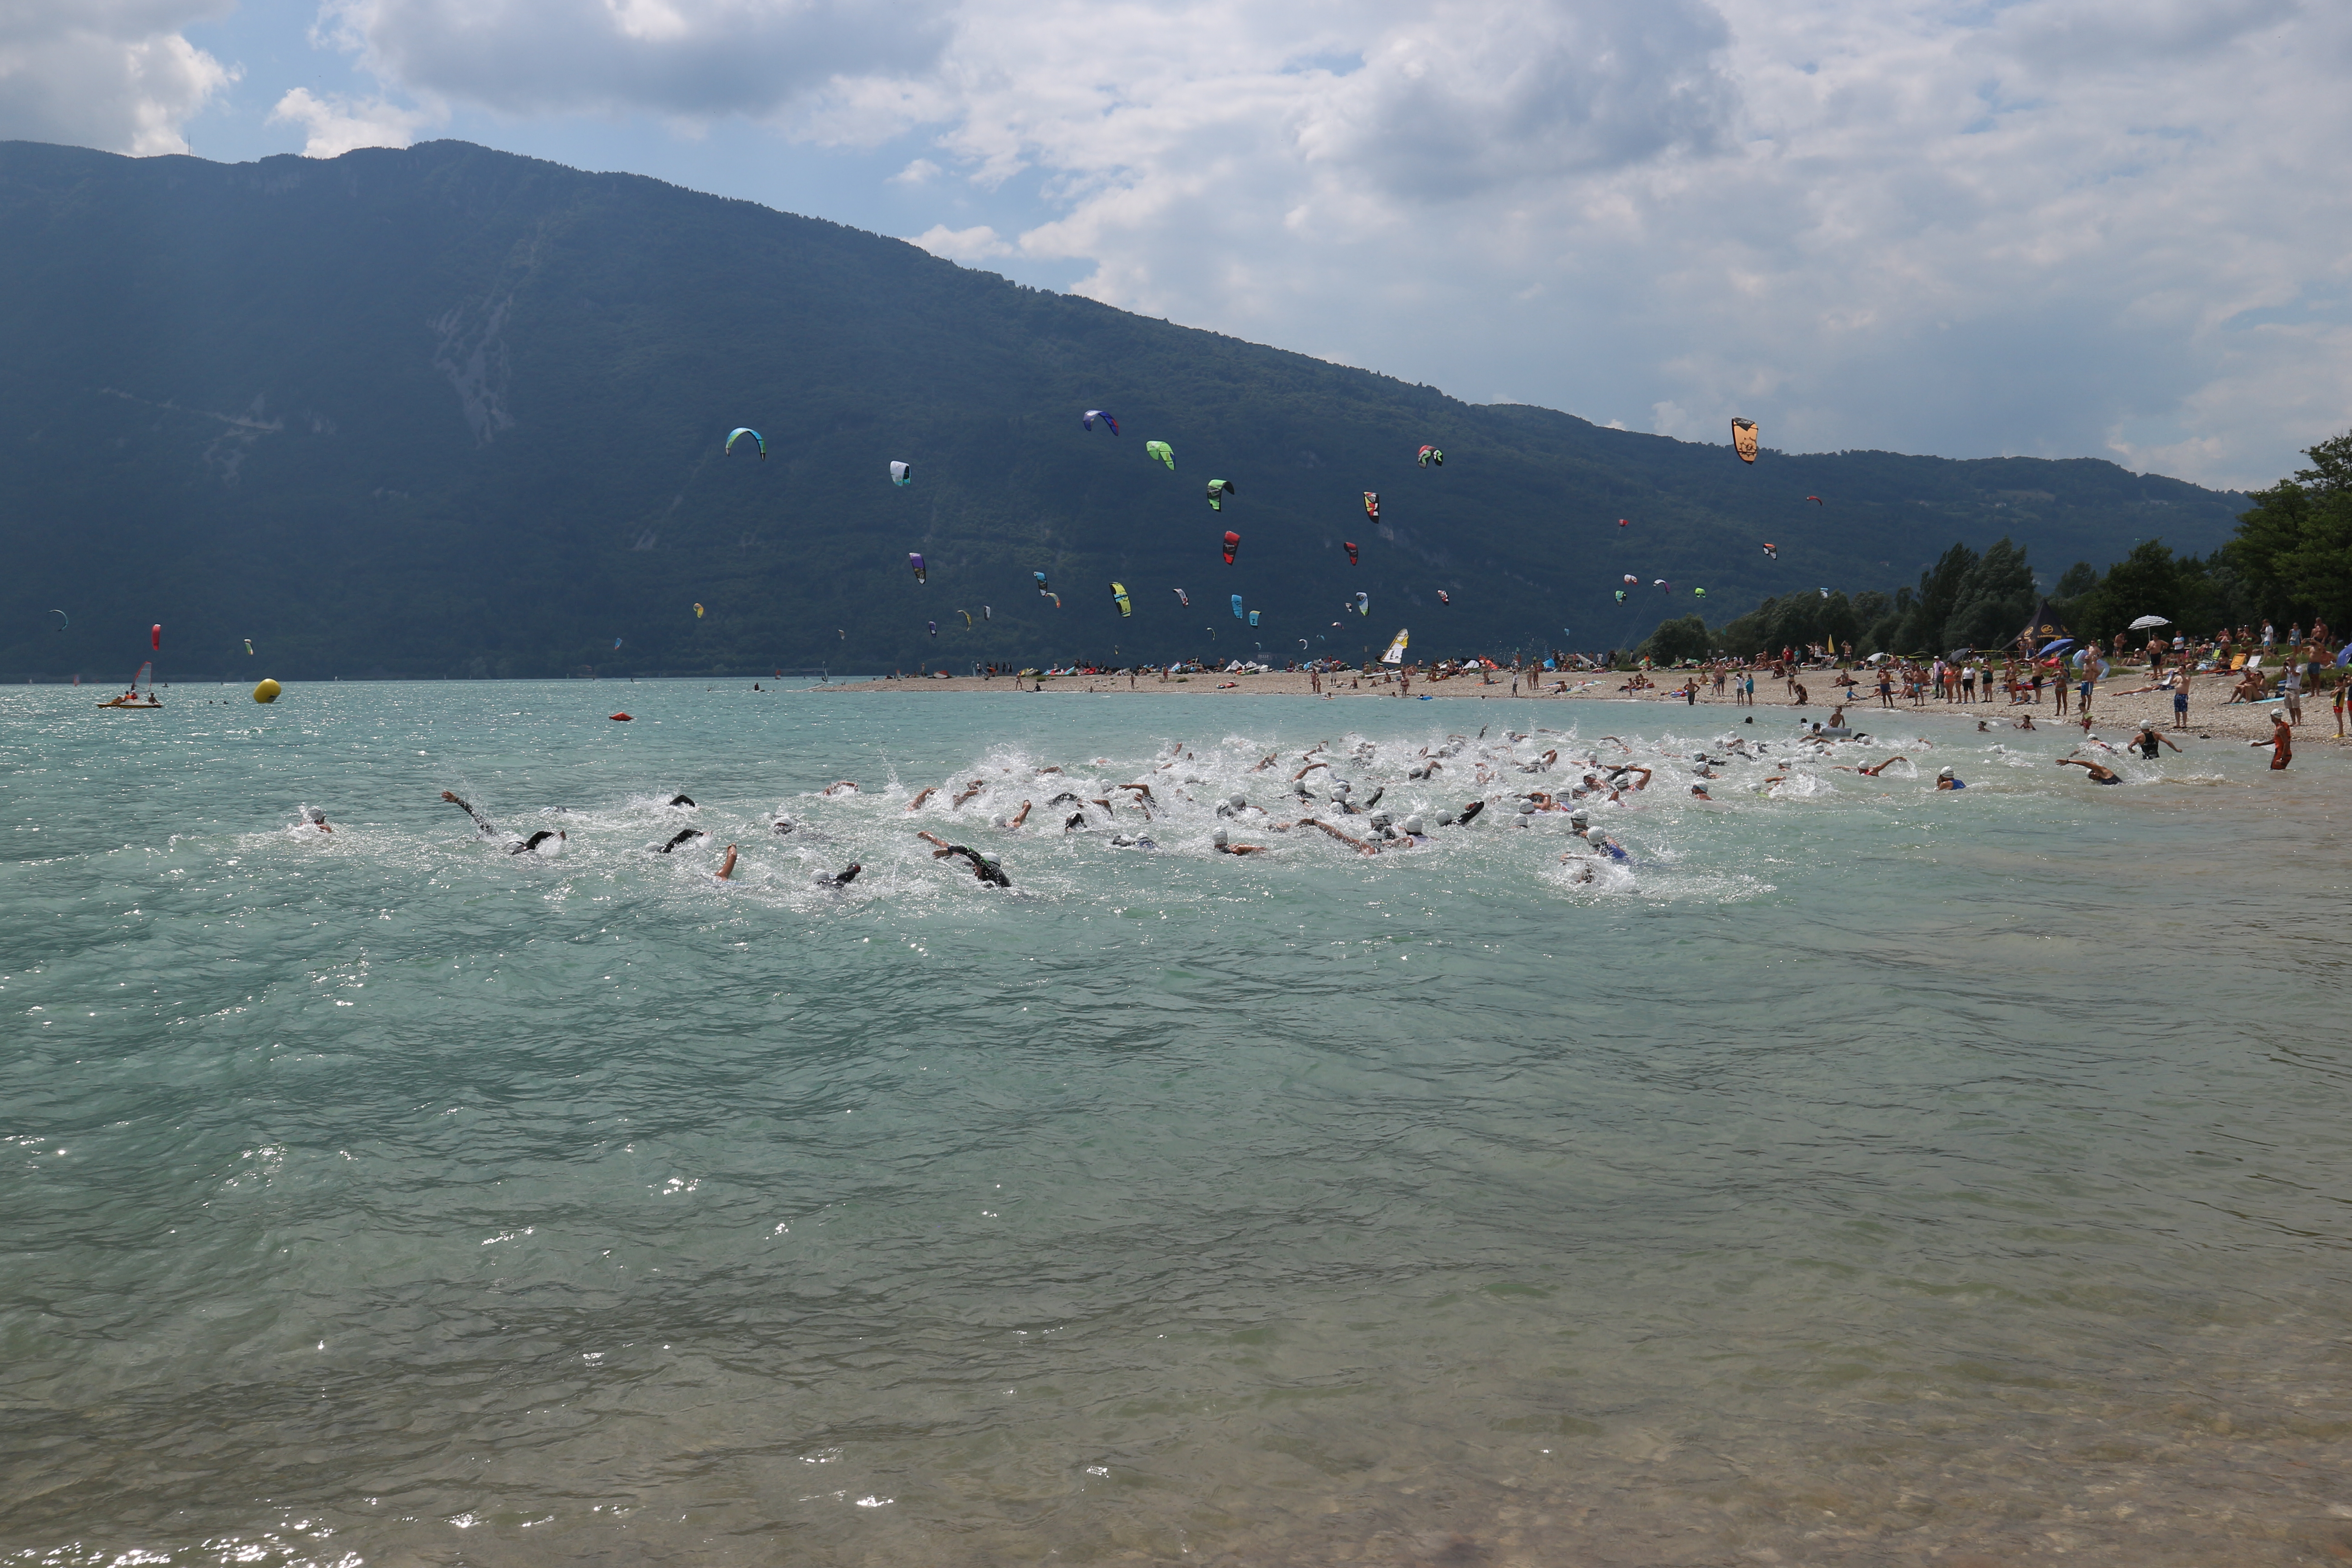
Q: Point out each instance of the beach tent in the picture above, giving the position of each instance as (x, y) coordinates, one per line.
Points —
(2044, 626)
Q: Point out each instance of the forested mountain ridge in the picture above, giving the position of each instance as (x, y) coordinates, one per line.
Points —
(449, 411)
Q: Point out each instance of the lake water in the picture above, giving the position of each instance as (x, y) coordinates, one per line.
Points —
(1867, 1175)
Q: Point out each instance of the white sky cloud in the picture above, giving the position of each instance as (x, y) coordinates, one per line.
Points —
(114, 74)
(336, 123)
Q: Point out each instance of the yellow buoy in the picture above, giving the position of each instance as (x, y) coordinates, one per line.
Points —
(266, 692)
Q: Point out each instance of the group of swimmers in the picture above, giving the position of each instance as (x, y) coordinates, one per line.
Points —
(1340, 813)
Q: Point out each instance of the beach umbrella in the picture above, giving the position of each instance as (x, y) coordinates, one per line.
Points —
(2145, 622)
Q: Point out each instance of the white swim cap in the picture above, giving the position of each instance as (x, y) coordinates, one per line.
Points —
(1943, 773)
(1412, 825)
(1238, 799)
(1577, 818)
(1218, 836)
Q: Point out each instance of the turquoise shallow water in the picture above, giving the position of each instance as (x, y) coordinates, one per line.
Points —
(1866, 1176)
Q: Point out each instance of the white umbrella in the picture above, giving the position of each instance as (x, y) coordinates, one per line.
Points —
(2145, 622)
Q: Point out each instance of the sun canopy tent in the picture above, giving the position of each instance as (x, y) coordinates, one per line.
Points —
(2045, 626)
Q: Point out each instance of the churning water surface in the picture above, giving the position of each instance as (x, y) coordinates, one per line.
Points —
(1864, 1175)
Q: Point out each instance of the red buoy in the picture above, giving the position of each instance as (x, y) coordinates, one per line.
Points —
(621, 718)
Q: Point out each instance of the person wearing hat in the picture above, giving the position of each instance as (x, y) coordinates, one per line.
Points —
(1602, 844)
(1946, 779)
(2150, 738)
(1218, 842)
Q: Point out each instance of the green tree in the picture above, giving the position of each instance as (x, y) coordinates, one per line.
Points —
(1676, 640)
(1993, 600)
(2148, 582)
(2294, 547)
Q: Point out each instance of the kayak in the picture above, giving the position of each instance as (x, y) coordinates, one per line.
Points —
(122, 702)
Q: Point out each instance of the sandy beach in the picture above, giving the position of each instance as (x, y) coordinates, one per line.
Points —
(2117, 710)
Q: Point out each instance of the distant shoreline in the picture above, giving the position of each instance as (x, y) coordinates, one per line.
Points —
(2117, 712)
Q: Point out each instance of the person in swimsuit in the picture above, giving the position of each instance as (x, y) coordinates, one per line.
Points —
(2149, 739)
(2282, 743)
(686, 800)
(1874, 771)
(1602, 845)
(683, 836)
(2100, 773)
(841, 879)
(535, 840)
(318, 819)
(1359, 846)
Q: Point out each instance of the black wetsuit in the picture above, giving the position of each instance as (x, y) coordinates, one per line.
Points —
(2149, 744)
(685, 835)
(481, 822)
(681, 800)
(986, 870)
(841, 879)
(1472, 810)
(534, 841)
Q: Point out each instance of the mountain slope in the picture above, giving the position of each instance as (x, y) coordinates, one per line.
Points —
(447, 410)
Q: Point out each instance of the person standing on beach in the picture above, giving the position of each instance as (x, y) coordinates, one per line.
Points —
(2180, 698)
(2291, 689)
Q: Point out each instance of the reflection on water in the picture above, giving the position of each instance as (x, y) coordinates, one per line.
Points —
(1867, 1176)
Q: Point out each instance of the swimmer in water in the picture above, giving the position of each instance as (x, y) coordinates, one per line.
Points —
(1946, 779)
(1222, 845)
(977, 786)
(682, 836)
(2149, 739)
(726, 870)
(1600, 842)
(1470, 812)
(1012, 823)
(686, 799)
(840, 786)
(917, 804)
(2100, 774)
(1360, 847)
(983, 868)
(316, 818)
(841, 879)
(535, 840)
(483, 825)
(1873, 772)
